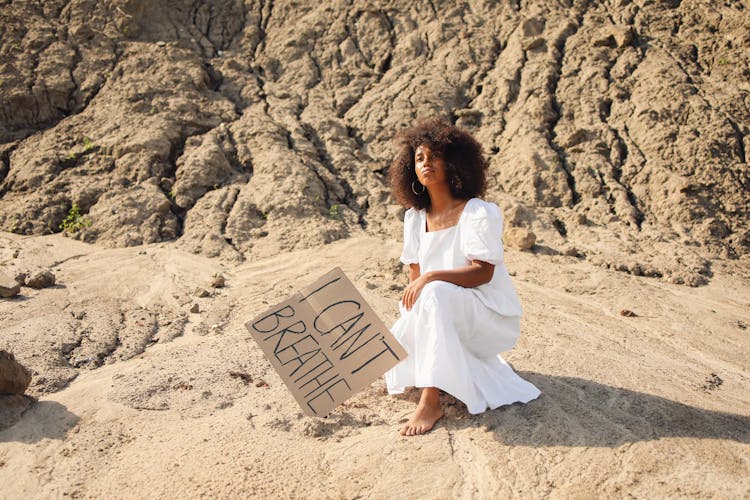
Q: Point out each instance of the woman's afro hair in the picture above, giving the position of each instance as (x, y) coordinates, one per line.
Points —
(462, 155)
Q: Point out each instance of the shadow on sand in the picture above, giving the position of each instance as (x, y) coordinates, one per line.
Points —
(43, 420)
(578, 412)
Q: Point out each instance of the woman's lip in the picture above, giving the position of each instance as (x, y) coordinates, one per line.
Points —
(426, 171)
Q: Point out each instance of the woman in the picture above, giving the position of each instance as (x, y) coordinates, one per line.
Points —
(460, 308)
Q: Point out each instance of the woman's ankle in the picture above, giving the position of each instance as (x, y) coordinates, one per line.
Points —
(430, 396)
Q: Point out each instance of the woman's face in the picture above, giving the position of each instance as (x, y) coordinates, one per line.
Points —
(429, 166)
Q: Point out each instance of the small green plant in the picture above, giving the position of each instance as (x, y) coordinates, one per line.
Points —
(171, 195)
(335, 212)
(1, 82)
(14, 227)
(74, 221)
(71, 157)
(723, 61)
(88, 145)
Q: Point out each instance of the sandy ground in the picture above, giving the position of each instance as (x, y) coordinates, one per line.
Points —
(630, 406)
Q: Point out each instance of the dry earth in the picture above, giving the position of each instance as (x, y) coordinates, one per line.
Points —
(649, 406)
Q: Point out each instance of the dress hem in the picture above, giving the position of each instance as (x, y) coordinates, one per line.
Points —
(401, 390)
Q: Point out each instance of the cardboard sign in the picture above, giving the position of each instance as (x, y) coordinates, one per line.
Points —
(326, 343)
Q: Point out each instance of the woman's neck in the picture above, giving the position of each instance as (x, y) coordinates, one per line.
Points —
(441, 199)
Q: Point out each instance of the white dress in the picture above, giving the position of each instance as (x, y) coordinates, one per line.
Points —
(453, 334)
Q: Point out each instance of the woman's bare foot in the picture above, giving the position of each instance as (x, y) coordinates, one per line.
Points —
(427, 413)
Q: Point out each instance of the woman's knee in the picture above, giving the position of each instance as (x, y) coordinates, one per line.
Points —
(439, 292)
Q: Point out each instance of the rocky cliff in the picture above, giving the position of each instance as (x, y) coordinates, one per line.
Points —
(617, 131)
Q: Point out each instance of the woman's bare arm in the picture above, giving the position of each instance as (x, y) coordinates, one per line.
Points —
(414, 272)
(476, 273)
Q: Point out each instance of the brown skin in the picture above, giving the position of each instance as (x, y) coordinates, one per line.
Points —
(444, 212)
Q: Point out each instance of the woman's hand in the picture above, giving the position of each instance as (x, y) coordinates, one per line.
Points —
(413, 289)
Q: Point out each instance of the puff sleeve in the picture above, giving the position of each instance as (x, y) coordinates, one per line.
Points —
(481, 233)
(410, 253)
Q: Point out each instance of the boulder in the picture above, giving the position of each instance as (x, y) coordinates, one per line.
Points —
(12, 407)
(8, 286)
(14, 377)
(218, 281)
(21, 278)
(519, 237)
(41, 279)
(574, 252)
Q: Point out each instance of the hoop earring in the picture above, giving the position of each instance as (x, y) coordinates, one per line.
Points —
(414, 190)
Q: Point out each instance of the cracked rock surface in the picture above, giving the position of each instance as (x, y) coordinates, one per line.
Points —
(245, 128)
